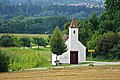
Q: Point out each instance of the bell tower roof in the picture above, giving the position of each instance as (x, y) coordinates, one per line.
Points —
(73, 24)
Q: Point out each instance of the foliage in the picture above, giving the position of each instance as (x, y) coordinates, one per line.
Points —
(85, 31)
(33, 25)
(92, 43)
(116, 52)
(110, 19)
(39, 41)
(94, 21)
(112, 5)
(4, 62)
(66, 28)
(57, 43)
(25, 42)
(105, 43)
(7, 41)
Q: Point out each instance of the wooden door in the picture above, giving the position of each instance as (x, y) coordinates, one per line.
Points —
(73, 57)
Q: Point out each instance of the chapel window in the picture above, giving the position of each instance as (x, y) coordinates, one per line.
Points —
(74, 31)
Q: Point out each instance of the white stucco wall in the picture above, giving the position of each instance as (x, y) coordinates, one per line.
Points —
(81, 53)
(73, 39)
(64, 58)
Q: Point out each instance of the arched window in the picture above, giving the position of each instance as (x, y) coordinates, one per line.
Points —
(74, 31)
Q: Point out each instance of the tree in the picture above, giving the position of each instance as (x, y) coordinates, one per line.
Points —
(94, 21)
(115, 52)
(66, 28)
(25, 42)
(111, 17)
(7, 41)
(57, 43)
(85, 31)
(91, 44)
(106, 43)
(112, 5)
(39, 41)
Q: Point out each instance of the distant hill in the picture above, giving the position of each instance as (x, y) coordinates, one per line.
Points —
(5, 1)
(50, 1)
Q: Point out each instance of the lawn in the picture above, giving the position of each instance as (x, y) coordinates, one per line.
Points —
(29, 58)
(79, 73)
(102, 60)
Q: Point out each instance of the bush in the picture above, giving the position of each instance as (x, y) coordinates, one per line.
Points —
(4, 62)
(91, 65)
(106, 43)
(39, 41)
(25, 42)
(6, 41)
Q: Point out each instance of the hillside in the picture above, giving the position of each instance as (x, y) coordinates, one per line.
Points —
(51, 1)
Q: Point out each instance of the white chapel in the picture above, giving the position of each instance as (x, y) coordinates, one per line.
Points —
(76, 51)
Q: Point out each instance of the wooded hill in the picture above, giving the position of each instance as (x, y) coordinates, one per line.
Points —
(50, 1)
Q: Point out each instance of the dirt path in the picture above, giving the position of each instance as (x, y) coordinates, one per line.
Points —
(81, 73)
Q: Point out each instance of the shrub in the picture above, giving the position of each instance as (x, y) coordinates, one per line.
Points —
(106, 43)
(4, 62)
(91, 65)
(25, 42)
(6, 41)
(39, 41)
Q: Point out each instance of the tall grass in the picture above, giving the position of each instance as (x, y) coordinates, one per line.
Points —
(29, 58)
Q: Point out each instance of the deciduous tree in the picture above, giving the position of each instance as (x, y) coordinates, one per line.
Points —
(39, 41)
(25, 42)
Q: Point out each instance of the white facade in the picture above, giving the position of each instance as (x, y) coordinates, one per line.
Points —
(73, 44)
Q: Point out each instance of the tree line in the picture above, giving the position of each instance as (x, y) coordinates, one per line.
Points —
(32, 25)
(13, 41)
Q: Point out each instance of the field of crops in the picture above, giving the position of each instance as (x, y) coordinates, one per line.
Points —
(45, 36)
(81, 73)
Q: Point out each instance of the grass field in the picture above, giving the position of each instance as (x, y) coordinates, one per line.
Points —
(28, 58)
(80, 73)
(45, 36)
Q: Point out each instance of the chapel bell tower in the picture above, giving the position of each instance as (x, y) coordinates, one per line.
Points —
(73, 35)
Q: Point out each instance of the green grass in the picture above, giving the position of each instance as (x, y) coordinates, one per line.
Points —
(28, 58)
(45, 36)
(86, 62)
(102, 60)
